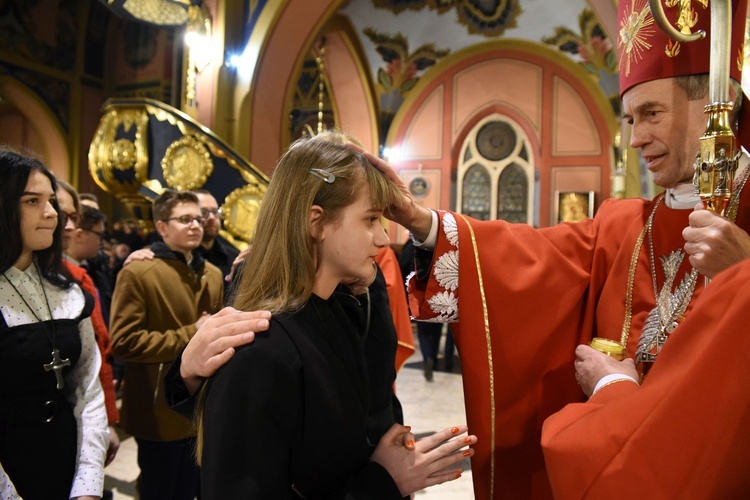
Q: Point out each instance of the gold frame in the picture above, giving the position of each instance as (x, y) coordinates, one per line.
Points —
(187, 163)
(573, 206)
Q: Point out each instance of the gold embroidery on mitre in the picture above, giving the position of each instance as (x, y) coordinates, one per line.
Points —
(740, 58)
(635, 28)
(687, 17)
(672, 48)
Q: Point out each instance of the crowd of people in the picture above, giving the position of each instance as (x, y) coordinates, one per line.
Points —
(290, 375)
(155, 300)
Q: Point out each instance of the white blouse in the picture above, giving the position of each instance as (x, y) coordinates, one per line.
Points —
(82, 386)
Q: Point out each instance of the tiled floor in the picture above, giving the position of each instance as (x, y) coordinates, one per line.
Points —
(428, 407)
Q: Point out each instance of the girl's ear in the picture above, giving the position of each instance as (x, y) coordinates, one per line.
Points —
(315, 222)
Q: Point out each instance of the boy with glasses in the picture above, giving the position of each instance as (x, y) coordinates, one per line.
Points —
(158, 305)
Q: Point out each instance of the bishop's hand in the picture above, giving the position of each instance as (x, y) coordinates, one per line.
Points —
(714, 243)
(408, 213)
(591, 365)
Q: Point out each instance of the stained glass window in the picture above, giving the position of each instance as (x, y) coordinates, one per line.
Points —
(512, 194)
(476, 193)
(495, 178)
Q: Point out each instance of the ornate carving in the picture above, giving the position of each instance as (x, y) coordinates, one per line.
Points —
(485, 17)
(187, 163)
(240, 210)
(119, 162)
(118, 155)
(122, 154)
(687, 17)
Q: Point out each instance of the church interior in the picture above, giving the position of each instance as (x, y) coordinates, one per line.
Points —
(499, 109)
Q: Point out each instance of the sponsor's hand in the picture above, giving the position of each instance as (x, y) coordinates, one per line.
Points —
(142, 254)
(214, 343)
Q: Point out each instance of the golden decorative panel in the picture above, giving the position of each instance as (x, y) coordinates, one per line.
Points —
(240, 210)
(118, 155)
(187, 163)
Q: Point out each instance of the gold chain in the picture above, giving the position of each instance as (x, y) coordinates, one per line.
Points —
(631, 275)
(732, 215)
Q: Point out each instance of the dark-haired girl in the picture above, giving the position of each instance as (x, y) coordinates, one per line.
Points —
(53, 424)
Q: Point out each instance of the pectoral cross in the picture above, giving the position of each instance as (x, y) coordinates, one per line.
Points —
(56, 365)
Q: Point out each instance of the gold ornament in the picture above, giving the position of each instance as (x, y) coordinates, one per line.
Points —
(187, 163)
(240, 210)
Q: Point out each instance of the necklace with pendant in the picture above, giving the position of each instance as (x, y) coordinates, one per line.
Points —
(57, 364)
(663, 319)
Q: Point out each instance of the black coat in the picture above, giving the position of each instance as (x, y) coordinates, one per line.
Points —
(379, 345)
(290, 412)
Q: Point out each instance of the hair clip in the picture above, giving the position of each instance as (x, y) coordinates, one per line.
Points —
(328, 177)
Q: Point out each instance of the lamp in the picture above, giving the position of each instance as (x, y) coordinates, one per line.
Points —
(198, 36)
(198, 44)
(155, 12)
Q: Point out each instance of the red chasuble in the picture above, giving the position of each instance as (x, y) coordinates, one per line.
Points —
(524, 300)
(683, 433)
(394, 283)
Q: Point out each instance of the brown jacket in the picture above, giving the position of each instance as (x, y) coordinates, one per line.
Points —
(155, 306)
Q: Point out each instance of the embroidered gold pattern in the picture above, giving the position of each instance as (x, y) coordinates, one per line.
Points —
(636, 27)
(686, 286)
(631, 276)
(672, 48)
(740, 58)
(687, 17)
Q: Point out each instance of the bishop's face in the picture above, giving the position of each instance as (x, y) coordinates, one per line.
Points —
(666, 128)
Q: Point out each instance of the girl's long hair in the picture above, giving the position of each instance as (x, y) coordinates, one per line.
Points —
(15, 169)
(279, 272)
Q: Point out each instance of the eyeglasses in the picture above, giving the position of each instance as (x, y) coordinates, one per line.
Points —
(65, 216)
(206, 213)
(188, 219)
(99, 234)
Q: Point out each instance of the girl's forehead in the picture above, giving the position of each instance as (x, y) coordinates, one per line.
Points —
(38, 183)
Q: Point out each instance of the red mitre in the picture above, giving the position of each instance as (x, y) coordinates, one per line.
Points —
(646, 53)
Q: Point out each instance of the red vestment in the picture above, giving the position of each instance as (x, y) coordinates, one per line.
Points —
(394, 283)
(102, 341)
(683, 433)
(526, 298)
